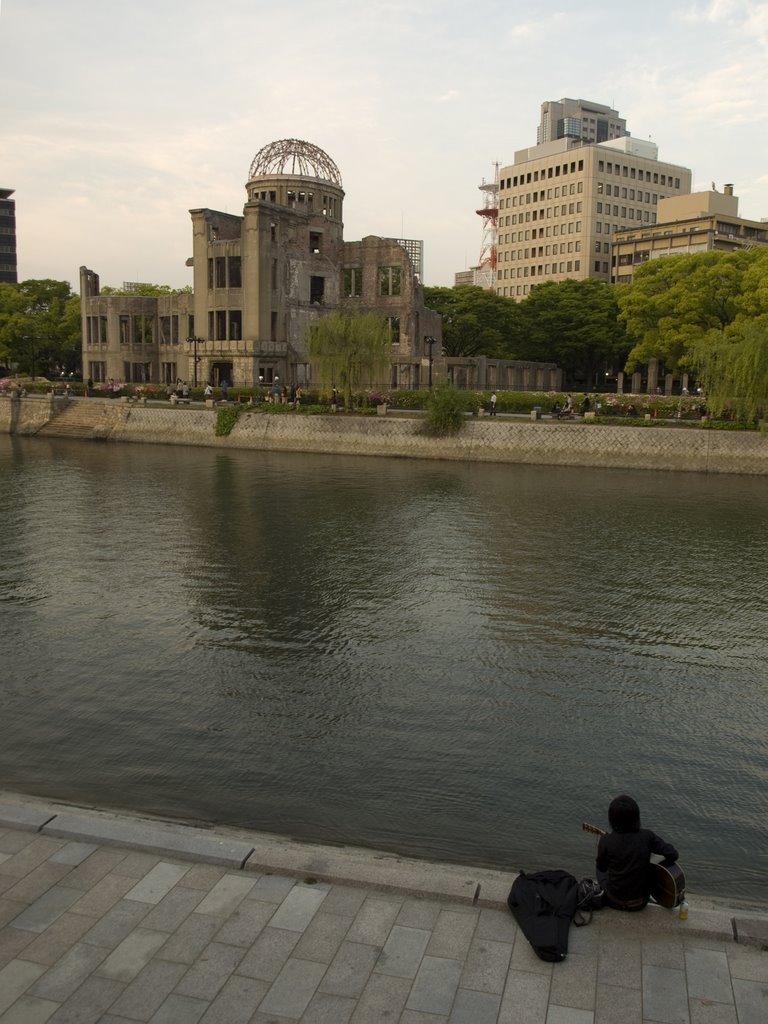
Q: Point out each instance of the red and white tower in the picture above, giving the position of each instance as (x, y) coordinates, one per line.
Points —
(485, 275)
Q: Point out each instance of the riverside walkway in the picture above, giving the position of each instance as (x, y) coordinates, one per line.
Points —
(110, 918)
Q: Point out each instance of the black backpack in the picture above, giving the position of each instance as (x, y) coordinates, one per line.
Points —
(543, 904)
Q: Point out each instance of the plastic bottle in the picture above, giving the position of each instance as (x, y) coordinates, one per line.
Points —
(683, 912)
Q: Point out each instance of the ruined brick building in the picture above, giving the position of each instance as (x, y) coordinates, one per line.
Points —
(260, 280)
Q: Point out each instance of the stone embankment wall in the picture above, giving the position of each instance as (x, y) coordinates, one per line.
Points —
(545, 442)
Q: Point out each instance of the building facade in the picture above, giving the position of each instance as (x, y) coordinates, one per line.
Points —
(8, 257)
(699, 222)
(560, 204)
(260, 280)
(579, 119)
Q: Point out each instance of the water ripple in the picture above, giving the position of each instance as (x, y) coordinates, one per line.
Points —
(447, 660)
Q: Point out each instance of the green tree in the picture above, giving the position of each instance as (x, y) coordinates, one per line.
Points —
(40, 326)
(575, 324)
(145, 288)
(732, 368)
(752, 303)
(476, 322)
(674, 302)
(349, 350)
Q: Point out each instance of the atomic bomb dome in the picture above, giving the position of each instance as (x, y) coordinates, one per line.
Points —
(261, 281)
(295, 157)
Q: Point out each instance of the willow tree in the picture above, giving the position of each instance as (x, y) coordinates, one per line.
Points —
(732, 368)
(349, 350)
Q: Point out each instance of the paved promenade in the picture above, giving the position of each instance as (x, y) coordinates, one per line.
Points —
(109, 918)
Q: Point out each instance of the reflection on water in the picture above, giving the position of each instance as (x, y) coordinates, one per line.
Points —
(453, 661)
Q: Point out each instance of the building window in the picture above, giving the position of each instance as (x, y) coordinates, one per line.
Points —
(125, 330)
(220, 264)
(314, 242)
(353, 282)
(97, 371)
(144, 330)
(221, 325)
(316, 290)
(235, 324)
(389, 280)
(168, 373)
(394, 329)
(235, 275)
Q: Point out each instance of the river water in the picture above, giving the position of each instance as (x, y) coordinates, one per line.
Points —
(461, 662)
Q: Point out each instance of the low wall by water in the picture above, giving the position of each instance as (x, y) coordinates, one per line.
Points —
(543, 442)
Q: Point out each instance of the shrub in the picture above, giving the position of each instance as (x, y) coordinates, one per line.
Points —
(226, 418)
(446, 409)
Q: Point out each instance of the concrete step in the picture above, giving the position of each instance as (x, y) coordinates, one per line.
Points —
(82, 420)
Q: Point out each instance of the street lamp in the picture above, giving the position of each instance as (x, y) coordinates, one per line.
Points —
(429, 340)
(194, 343)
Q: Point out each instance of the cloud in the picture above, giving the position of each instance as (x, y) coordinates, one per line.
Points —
(537, 29)
(452, 94)
(757, 24)
(732, 94)
(738, 15)
(714, 11)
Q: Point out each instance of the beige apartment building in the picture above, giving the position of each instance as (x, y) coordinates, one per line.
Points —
(560, 204)
(261, 279)
(699, 222)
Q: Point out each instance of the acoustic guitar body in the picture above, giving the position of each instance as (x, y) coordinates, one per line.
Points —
(667, 885)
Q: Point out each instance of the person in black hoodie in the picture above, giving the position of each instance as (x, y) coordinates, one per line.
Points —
(624, 856)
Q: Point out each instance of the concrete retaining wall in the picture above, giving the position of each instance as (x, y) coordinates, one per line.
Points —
(544, 442)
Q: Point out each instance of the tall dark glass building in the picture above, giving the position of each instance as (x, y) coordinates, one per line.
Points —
(8, 267)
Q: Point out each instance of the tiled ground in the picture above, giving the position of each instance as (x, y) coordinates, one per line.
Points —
(94, 933)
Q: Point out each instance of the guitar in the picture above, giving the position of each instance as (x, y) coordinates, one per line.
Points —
(667, 880)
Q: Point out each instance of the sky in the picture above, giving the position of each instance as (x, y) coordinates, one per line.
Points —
(120, 117)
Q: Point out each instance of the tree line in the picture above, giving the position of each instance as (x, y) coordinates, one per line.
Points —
(702, 313)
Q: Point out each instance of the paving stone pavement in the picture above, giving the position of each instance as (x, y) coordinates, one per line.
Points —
(102, 933)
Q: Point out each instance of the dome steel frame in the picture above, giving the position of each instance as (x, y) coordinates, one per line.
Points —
(297, 158)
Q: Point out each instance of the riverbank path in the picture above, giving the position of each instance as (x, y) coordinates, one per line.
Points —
(110, 918)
